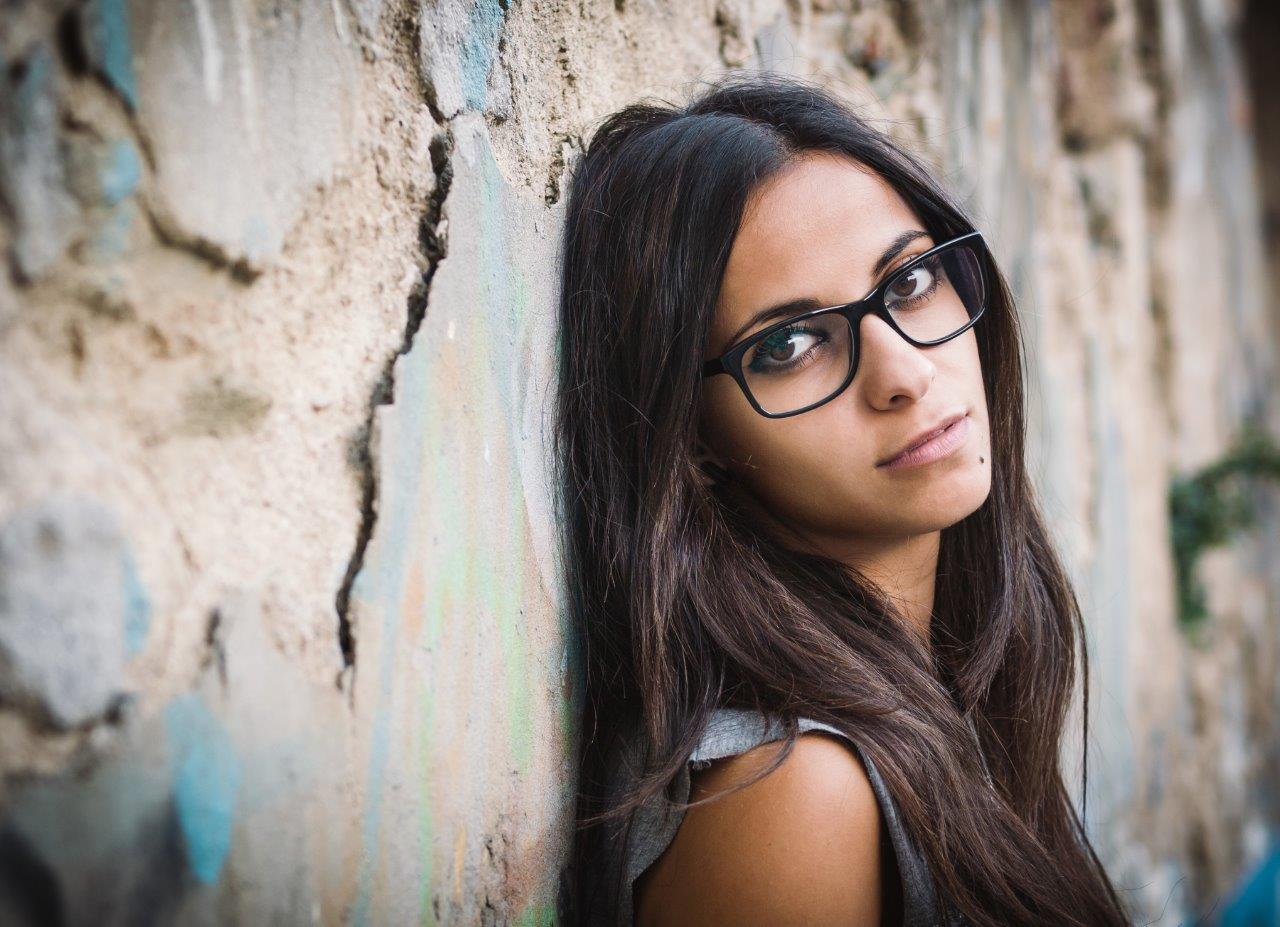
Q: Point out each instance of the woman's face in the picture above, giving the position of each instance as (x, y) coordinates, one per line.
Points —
(817, 230)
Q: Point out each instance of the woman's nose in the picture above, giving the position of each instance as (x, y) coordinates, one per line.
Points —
(889, 366)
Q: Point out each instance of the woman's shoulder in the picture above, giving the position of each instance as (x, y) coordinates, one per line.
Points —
(813, 821)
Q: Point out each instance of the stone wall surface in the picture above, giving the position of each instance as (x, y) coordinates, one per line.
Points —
(282, 632)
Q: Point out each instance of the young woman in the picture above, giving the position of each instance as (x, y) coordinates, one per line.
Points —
(829, 647)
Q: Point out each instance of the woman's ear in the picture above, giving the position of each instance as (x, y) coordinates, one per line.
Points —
(710, 464)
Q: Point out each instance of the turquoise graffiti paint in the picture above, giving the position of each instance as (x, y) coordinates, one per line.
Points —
(478, 50)
(110, 46)
(1257, 903)
(111, 238)
(120, 171)
(137, 607)
(33, 88)
(379, 586)
(258, 238)
(205, 774)
(504, 288)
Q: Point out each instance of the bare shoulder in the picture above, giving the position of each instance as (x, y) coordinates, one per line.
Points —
(800, 846)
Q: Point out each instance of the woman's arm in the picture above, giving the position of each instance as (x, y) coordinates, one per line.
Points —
(801, 846)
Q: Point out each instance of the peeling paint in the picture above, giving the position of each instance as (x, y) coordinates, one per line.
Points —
(479, 49)
(112, 237)
(210, 52)
(137, 609)
(110, 46)
(121, 171)
(32, 171)
(206, 777)
(67, 601)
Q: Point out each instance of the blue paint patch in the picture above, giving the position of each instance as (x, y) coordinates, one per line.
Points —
(109, 46)
(120, 172)
(380, 584)
(137, 607)
(1258, 902)
(34, 86)
(205, 775)
(32, 166)
(478, 50)
(112, 236)
(257, 238)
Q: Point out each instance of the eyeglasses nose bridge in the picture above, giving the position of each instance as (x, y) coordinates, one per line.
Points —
(854, 314)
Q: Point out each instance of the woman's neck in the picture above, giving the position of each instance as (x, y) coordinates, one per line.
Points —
(907, 572)
(905, 567)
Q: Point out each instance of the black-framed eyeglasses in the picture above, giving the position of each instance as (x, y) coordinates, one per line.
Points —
(809, 359)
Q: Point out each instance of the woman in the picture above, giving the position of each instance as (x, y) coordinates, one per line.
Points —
(826, 673)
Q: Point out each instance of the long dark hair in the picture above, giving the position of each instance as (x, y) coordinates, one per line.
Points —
(683, 606)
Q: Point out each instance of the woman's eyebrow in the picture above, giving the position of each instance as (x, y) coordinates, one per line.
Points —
(806, 303)
(895, 248)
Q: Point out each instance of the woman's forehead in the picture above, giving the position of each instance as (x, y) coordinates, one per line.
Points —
(814, 229)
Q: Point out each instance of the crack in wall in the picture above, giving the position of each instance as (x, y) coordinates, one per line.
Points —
(433, 243)
(167, 229)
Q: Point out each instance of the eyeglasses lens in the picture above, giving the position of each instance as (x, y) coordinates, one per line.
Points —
(810, 360)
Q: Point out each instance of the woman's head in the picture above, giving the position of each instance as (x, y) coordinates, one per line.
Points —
(824, 230)
(712, 552)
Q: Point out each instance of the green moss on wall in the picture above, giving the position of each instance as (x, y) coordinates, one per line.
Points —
(1211, 506)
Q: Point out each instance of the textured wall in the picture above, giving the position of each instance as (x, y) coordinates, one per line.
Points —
(281, 626)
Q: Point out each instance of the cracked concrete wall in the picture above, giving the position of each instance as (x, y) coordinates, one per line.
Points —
(281, 629)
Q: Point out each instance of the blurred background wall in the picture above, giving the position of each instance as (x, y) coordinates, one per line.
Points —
(282, 636)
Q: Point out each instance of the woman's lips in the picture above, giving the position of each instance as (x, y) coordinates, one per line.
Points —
(935, 448)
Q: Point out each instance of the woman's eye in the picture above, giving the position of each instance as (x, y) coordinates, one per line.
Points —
(912, 284)
(782, 347)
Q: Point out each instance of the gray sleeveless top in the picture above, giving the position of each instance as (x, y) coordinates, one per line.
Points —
(732, 731)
